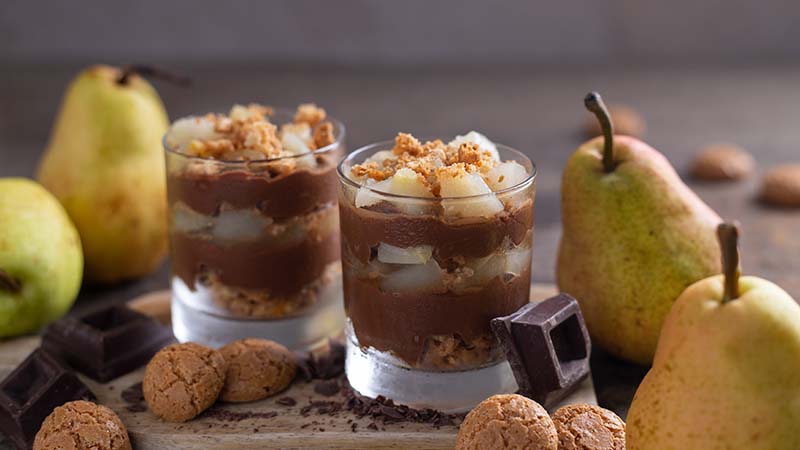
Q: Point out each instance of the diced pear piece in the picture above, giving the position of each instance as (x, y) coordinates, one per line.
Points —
(240, 225)
(518, 260)
(404, 182)
(415, 278)
(187, 220)
(480, 140)
(184, 131)
(465, 185)
(506, 175)
(294, 144)
(381, 156)
(391, 254)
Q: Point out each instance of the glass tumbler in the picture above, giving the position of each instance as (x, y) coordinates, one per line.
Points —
(255, 247)
(421, 287)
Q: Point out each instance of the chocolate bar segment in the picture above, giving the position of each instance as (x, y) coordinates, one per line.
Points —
(107, 343)
(31, 392)
(548, 346)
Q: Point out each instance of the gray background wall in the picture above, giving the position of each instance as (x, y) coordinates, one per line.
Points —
(567, 32)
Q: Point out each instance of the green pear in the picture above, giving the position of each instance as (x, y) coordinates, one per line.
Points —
(105, 163)
(634, 237)
(41, 262)
(727, 370)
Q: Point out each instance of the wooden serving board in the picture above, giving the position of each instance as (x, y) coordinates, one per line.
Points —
(265, 424)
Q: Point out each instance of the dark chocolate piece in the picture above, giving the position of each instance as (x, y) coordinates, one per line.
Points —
(107, 343)
(548, 346)
(31, 392)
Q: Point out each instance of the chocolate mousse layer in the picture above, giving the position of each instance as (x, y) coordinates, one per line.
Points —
(471, 238)
(277, 196)
(403, 322)
(254, 264)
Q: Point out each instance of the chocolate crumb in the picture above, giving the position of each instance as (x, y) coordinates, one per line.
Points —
(225, 415)
(386, 411)
(373, 426)
(286, 401)
(327, 388)
(133, 394)
(136, 407)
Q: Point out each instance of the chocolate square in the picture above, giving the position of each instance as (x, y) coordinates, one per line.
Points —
(107, 343)
(31, 392)
(548, 346)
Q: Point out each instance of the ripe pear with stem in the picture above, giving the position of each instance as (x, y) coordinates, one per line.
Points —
(726, 373)
(105, 163)
(634, 237)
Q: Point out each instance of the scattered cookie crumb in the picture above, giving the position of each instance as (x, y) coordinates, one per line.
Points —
(721, 162)
(781, 186)
(183, 380)
(508, 422)
(626, 120)
(257, 369)
(82, 425)
(589, 427)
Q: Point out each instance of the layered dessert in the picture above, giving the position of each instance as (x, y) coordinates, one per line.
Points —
(253, 211)
(436, 241)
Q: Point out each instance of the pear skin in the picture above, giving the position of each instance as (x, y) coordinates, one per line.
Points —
(633, 239)
(726, 375)
(105, 163)
(41, 262)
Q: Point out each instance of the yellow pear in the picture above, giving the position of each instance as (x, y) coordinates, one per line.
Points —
(726, 373)
(634, 237)
(105, 163)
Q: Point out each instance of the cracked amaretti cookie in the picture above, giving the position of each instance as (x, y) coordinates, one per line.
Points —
(82, 425)
(507, 422)
(589, 427)
(183, 380)
(257, 369)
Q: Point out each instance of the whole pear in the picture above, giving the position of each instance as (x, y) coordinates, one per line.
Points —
(41, 262)
(634, 237)
(105, 163)
(727, 370)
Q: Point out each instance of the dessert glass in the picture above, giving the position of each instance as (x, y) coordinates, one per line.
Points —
(255, 245)
(421, 287)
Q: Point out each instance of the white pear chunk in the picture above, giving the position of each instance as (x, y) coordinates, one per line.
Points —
(415, 278)
(518, 260)
(464, 185)
(294, 144)
(240, 225)
(391, 254)
(404, 182)
(184, 131)
(187, 220)
(381, 156)
(506, 175)
(480, 140)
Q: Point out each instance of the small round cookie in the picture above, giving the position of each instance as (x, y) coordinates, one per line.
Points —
(257, 369)
(82, 425)
(626, 120)
(720, 162)
(781, 186)
(507, 422)
(589, 427)
(183, 380)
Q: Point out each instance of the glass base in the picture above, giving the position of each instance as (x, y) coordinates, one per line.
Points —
(301, 333)
(371, 375)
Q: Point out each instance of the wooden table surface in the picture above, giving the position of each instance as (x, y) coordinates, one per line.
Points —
(538, 111)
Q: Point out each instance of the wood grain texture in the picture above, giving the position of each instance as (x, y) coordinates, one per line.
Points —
(219, 428)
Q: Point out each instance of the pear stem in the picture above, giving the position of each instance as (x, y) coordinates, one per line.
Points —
(728, 234)
(8, 282)
(594, 103)
(150, 71)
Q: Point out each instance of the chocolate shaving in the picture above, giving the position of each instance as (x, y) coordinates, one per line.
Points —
(286, 401)
(325, 364)
(226, 415)
(327, 388)
(386, 411)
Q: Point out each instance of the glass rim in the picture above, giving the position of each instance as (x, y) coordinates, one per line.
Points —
(337, 125)
(388, 144)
